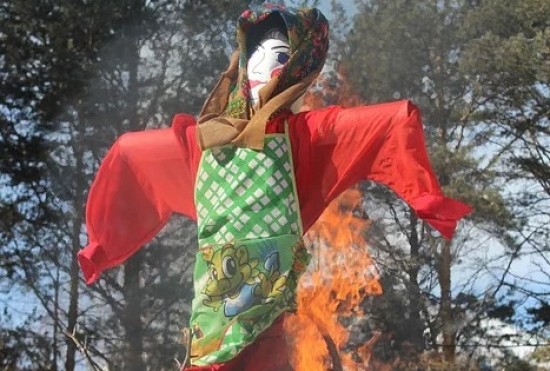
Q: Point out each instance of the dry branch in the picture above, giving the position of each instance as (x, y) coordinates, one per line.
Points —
(83, 349)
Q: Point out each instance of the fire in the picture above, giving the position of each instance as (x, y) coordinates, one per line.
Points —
(341, 276)
(342, 273)
(331, 88)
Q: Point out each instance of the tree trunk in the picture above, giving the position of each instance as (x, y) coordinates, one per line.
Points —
(415, 337)
(132, 311)
(56, 324)
(72, 314)
(132, 315)
(447, 318)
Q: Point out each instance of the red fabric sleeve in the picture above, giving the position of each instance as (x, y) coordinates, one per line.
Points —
(143, 179)
(334, 148)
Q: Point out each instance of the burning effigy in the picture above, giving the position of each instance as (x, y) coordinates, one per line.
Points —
(256, 176)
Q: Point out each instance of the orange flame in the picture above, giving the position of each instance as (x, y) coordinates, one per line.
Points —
(341, 277)
(342, 273)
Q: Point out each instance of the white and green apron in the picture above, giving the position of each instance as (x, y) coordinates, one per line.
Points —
(251, 251)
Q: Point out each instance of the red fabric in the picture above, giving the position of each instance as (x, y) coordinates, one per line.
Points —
(268, 353)
(148, 175)
(143, 179)
(334, 148)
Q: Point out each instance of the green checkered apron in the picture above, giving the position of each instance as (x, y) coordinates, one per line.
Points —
(250, 248)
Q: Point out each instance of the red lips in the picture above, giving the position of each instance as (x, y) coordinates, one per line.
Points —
(276, 71)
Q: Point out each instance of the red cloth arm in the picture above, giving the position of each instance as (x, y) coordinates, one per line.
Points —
(334, 148)
(143, 179)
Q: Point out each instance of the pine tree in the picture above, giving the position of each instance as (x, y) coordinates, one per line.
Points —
(79, 74)
(413, 50)
(508, 61)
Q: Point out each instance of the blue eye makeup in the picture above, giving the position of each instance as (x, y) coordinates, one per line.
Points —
(282, 58)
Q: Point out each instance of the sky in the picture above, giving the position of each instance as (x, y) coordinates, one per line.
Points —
(324, 6)
(488, 252)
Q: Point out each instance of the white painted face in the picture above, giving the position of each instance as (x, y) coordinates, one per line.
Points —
(266, 62)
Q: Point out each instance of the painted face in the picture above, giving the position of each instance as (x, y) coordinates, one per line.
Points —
(266, 62)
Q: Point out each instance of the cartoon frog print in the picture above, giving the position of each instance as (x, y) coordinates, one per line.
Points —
(236, 283)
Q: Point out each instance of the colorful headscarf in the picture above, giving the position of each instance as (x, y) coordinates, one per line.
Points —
(227, 116)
